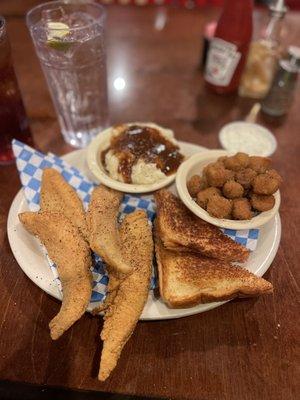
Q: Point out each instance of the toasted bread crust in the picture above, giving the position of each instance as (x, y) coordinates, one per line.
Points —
(193, 301)
(178, 227)
(206, 279)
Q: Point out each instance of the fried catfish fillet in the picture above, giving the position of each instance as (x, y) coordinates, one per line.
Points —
(58, 196)
(111, 291)
(71, 254)
(103, 227)
(128, 303)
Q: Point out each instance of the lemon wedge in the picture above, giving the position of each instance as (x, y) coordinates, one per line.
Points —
(56, 32)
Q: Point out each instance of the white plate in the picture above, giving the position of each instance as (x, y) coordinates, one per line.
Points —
(194, 165)
(31, 259)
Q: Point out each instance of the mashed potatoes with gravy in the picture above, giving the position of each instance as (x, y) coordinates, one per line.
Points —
(142, 173)
(137, 151)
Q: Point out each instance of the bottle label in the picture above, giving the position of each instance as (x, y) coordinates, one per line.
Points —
(222, 60)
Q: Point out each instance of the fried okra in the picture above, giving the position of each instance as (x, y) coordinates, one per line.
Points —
(219, 207)
(262, 202)
(265, 184)
(233, 190)
(222, 159)
(194, 185)
(274, 174)
(241, 209)
(237, 162)
(236, 187)
(245, 177)
(259, 164)
(216, 164)
(217, 176)
(204, 195)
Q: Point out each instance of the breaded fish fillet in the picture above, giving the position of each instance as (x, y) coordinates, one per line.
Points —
(103, 227)
(58, 196)
(71, 254)
(181, 230)
(122, 316)
(111, 291)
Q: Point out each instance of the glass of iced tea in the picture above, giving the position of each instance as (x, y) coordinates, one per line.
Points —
(13, 121)
(69, 41)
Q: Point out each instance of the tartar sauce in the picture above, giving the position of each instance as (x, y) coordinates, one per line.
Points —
(247, 137)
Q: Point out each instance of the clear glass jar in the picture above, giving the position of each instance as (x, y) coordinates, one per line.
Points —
(263, 56)
(281, 94)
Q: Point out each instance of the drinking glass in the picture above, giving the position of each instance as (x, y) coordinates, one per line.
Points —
(69, 41)
(13, 120)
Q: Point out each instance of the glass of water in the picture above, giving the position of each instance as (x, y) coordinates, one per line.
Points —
(69, 41)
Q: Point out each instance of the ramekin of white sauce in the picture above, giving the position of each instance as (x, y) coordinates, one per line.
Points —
(247, 137)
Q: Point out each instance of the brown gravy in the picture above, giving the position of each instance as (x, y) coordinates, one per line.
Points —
(141, 142)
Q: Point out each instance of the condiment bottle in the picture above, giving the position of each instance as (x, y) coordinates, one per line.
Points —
(229, 48)
(281, 94)
(263, 56)
(209, 33)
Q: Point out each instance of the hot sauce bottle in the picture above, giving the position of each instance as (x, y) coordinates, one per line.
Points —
(229, 48)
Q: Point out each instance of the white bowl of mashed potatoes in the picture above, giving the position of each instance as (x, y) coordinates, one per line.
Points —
(137, 157)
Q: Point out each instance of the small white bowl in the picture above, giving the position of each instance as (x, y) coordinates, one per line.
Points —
(100, 143)
(194, 166)
(247, 137)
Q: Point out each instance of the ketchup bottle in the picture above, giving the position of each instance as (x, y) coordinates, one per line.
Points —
(228, 49)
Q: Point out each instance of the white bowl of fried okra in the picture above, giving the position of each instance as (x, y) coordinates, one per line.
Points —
(233, 191)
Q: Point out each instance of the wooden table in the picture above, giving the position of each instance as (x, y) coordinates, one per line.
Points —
(243, 350)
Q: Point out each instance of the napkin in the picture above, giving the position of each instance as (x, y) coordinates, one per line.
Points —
(30, 164)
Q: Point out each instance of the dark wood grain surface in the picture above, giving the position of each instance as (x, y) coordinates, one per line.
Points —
(243, 350)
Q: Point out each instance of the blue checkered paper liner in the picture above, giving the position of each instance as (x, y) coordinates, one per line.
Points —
(30, 164)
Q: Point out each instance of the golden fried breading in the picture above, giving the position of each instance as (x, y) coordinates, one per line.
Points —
(222, 159)
(259, 164)
(205, 195)
(233, 190)
(261, 202)
(219, 207)
(245, 177)
(128, 304)
(103, 228)
(215, 164)
(274, 174)
(71, 254)
(204, 184)
(237, 162)
(194, 185)
(241, 209)
(58, 196)
(237, 177)
(217, 176)
(265, 184)
(111, 290)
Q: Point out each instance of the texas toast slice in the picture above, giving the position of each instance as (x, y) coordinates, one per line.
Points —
(181, 230)
(188, 279)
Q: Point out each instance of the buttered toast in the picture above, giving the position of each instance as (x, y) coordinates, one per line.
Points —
(181, 230)
(187, 279)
